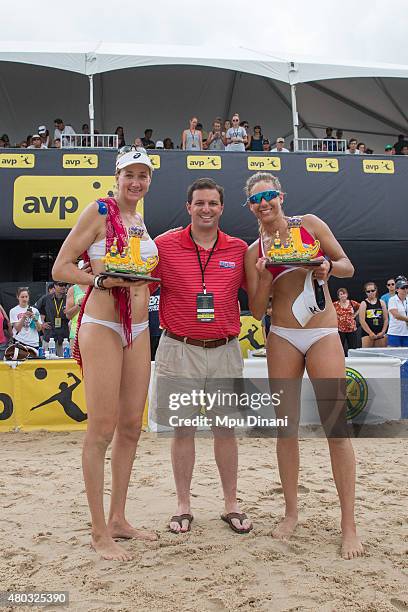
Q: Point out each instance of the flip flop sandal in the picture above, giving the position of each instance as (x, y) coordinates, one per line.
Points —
(179, 518)
(227, 518)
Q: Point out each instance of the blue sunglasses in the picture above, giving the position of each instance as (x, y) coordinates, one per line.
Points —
(262, 195)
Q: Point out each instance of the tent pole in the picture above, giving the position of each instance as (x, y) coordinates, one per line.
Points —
(295, 118)
(91, 108)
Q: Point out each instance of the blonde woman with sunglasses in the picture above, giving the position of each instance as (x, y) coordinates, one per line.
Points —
(299, 339)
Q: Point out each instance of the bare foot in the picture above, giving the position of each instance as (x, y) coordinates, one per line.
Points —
(351, 546)
(108, 549)
(123, 529)
(285, 528)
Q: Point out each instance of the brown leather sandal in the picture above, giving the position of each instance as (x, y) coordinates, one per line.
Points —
(227, 518)
(179, 518)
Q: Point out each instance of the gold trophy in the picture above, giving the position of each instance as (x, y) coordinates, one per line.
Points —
(130, 264)
(293, 252)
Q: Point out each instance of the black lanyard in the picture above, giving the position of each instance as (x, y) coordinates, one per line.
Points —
(206, 263)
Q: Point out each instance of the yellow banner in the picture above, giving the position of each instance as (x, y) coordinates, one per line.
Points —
(8, 420)
(55, 202)
(250, 337)
(155, 159)
(264, 163)
(69, 160)
(17, 160)
(378, 166)
(322, 164)
(204, 162)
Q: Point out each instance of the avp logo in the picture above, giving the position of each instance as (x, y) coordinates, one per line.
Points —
(79, 161)
(155, 159)
(204, 162)
(322, 164)
(264, 163)
(55, 202)
(378, 166)
(19, 160)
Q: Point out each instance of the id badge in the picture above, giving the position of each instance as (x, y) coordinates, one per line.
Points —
(57, 322)
(205, 307)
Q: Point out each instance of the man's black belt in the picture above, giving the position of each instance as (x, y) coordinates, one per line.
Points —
(203, 343)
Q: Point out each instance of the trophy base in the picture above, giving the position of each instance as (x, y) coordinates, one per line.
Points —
(311, 263)
(131, 277)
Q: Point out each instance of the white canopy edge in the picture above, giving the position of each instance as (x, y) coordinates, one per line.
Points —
(88, 59)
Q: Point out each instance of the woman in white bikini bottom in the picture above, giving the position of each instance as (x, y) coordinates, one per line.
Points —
(137, 328)
(291, 348)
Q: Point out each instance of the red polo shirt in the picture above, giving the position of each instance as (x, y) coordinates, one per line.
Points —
(180, 274)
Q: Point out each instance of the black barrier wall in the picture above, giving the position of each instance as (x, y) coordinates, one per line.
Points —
(362, 198)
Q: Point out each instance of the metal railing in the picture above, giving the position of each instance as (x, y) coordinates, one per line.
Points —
(320, 145)
(83, 141)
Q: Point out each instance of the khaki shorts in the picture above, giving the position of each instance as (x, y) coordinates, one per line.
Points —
(186, 370)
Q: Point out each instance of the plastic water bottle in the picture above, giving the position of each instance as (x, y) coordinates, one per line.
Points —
(66, 349)
(52, 349)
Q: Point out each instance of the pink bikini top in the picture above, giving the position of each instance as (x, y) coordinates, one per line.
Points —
(279, 270)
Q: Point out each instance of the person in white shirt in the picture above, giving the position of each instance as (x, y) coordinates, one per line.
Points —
(398, 308)
(279, 148)
(36, 142)
(25, 320)
(45, 136)
(236, 136)
(352, 150)
(62, 130)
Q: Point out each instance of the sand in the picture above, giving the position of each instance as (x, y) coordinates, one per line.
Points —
(44, 531)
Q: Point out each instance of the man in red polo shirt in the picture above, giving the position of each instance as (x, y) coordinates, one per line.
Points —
(201, 270)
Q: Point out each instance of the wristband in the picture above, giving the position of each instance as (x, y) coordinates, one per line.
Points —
(98, 282)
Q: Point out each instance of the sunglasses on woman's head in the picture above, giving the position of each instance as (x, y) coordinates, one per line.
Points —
(263, 195)
(128, 148)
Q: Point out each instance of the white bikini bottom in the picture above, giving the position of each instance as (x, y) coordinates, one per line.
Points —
(302, 339)
(137, 328)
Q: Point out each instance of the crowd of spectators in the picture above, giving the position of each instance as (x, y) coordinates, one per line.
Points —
(229, 135)
(376, 321)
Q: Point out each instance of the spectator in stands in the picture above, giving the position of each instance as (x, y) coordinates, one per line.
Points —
(339, 145)
(191, 138)
(86, 141)
(362, 148)
(57, 143)
(45, 136)
(373, 315)
(398, 309)
(266, 145)
(121, 137)
(352, 147)
(404, 150)
(28, 140)
(55, 321)
(138, 143)
(245, 125)
(279, 146)
(401, 142)
(390, 291)
(204, 135)
(216, 138)
(227, 125)
(36, 142)
(168, 144)
(6, 331)
(50, 291)
(61, 129)
(255, 141)
(6, 140)
(23, 144)
(347, 311)
(25, 320)
(236, 136)
(147, 141)
(389, 150)
(159, 144)
(2, 143)
(330, 145)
